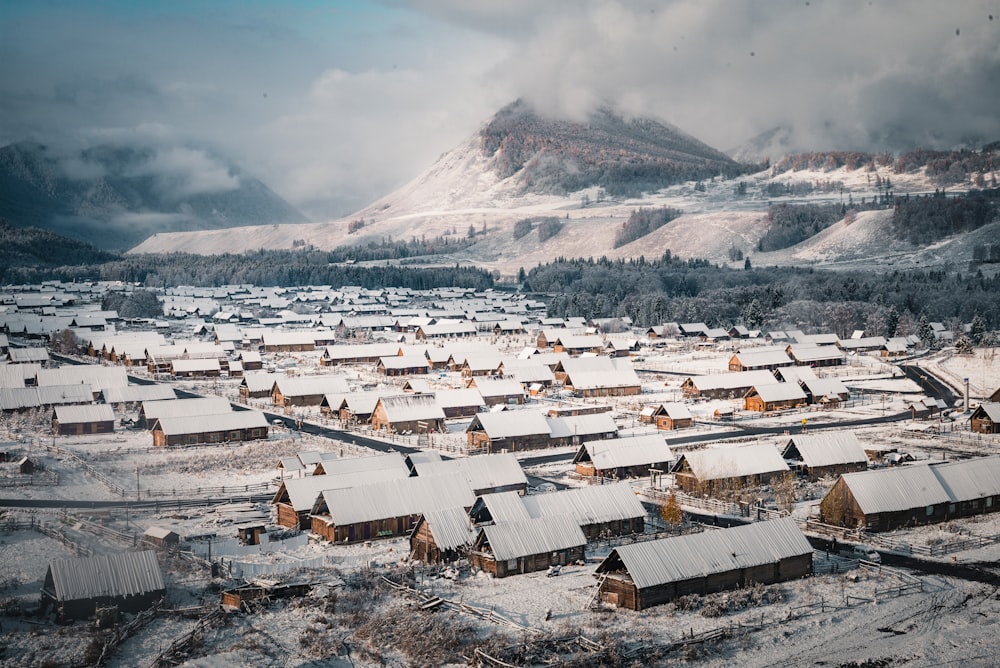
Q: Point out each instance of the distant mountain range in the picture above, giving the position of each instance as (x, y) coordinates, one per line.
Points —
(116, 196)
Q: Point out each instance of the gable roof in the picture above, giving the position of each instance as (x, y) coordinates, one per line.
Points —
(826, 448)
(587, 505)
(733, 461)
(397, 498)
(520, 538)
(409, 407)
(583, 373)
(716, 551)
(510, 424)
(482, 471)
(624, 452)
(114, 574)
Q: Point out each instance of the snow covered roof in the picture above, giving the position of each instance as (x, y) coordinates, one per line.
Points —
(302, 386)
(826, 448)
(991, 409)
(497, 387)
(137, 393)
(397, 498)
(195, 365)
(729, 381)
(510, 424)
(96, 377)
(567, 426)
(259, 382)
(396, 362)
(510, 540)
(763, 358)
(894, 489)
(482, 472)
(623, 452)
(775, 391)
(180, 407)
(584, 373)
(815, 353)
(716, 551)
(340, 353)
(410, 407)
(84, 414)
(302, 493)
(734, 461)
(594, 504)
(116, 574)
(201, 424)
(459, 398)
(451, 527)
(502, 507)
(13, 398)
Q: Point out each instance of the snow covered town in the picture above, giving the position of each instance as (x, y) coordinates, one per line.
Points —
(271, 476)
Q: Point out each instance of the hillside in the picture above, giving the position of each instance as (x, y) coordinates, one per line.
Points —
(33, 247)
(116, 196)
(470, 198)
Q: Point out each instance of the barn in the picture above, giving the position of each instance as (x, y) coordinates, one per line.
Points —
(642, 575)
(623, 457)
(464, 402)
(816, 355)
(577, 429)
(526, 546)
(887, 499)
(719, 471)
(826, 453)
(84, 419)
(363, 353)
(131, 581)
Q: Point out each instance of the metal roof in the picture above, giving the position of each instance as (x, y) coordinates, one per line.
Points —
(521, 538)
(622, 452)
(459, 398)
(13, 398)
(970, 479)
(483, 472)
(729, 381)
(815, 353)
(504, 506)
(894, 489)
(775, 391)
(410, 407)
(302, 493)
(397, 498)
(84, 413)
(991, 409)
(716, 551)
(582, 425)
(137, 393)
(96, 377)
(116, 574)
(762, 358)
(598, 372)
(734, 461)
(451, 527)
(508, 424)
(170, 408)
(301, 386)
(827, 448)
(201, 424)
(587, 505)
(259, 382)
(497, 387)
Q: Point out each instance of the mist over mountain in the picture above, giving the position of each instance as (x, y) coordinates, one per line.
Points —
(623, 156)
(115, 196)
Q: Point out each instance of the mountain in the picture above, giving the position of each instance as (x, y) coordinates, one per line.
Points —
(117, 196)
(485, 201)
(771, 145)
(33, 247)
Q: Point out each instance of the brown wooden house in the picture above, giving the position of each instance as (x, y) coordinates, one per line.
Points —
(220, 428)
(827, 453)
(986, 418)
(84, 419)
(722, 471)
(769, 397)
(526, 546)
(442, 536)
(645, 574)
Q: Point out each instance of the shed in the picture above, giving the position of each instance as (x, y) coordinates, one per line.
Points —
(642, 575)
(131, 581)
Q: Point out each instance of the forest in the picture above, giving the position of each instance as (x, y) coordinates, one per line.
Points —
(670, 289)
(643, 221)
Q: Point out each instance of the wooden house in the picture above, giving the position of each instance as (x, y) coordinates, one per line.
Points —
(129, 581)
(598, 376)
(623, 457)
(385, 509)
(826, 453)
(442, 536)
(757, 360)
(527, 546)
(84, 419)
(645, 574)
(578, 344)
(234, 426)
(351, 354)
(986, 418)
(498, 391)
(576, 429)
(161, 537)
(408, 413)
(296, 497)
(403, 365)
(721, 471)
(724, 385)
(774, 396)
(257, 385)
(150, 411)
(460, 403)
(306, 390)
(510, 431)
(671, 416)
(131, 396)
(288, 342)
(251, 360)
(903, 496)
(816, 355)
(995, 397)
(599, 510)
(195, 368)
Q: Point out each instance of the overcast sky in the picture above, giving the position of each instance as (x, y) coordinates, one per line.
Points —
(334, 104)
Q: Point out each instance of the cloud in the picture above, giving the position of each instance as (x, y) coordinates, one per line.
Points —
(334, 105)
(181, 172)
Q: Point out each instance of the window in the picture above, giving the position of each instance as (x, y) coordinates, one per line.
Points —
(930, 510)
(234, 436)
(989, 501)
(214, 437)
(951, 508)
